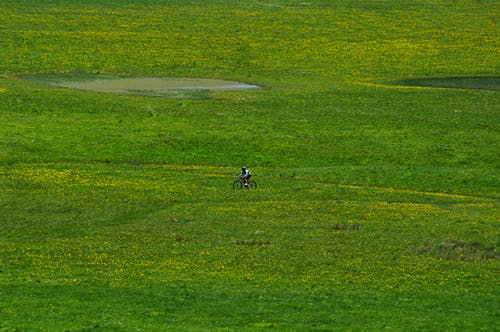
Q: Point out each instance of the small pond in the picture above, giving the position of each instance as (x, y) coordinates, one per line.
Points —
(196, 88)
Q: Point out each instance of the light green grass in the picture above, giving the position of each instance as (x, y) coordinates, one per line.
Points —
(377, 207)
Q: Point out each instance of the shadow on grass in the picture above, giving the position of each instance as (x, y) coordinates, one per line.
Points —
(467, 82)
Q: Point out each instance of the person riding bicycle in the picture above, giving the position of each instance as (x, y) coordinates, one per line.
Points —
(245, 174)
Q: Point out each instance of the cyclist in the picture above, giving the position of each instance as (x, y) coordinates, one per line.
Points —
(245, 174)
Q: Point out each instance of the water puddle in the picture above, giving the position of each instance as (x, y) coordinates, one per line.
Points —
(194, 88)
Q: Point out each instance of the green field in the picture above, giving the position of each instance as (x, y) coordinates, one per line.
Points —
(375, 142)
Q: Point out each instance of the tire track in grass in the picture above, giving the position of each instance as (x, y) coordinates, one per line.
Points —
(389, 190)
(223, 172)
(415, 192)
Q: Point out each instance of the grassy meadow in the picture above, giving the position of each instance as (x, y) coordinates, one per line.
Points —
(375, 142)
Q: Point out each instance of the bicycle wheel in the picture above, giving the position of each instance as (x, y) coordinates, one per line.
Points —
(252, 184)
(237, 184)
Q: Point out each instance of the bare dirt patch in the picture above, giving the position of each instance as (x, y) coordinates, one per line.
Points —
(457, 250)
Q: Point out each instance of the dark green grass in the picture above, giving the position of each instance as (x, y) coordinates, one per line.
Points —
(378, 127)
(184, 306)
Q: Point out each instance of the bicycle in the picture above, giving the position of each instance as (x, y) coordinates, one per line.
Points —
(240, 183)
